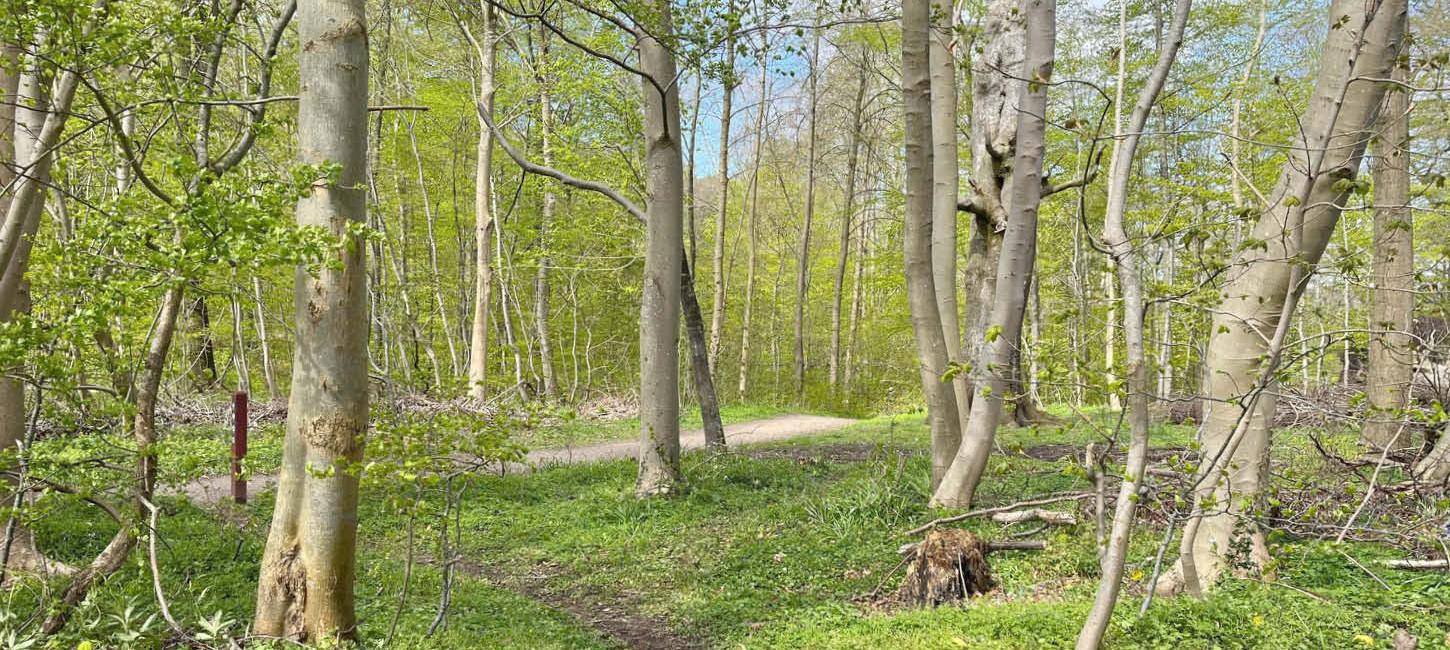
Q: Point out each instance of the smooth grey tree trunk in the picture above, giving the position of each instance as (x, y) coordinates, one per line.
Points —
(1014, 270)
(1252, 321)
(486, 50)
(659, 317)
(944, 192)
(1125, 256)
(996, 91)
(1392, 300)
(931, 346)
(269, 374)
(546, 217)
(18, 149)
(305, 589)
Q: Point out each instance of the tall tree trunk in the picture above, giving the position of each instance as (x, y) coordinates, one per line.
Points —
(1392, 301)
(717, 309)
(750, 217)
(700, 358)
(803, 261)
(996, 90)
(931, 346)
(1252, 322)
(506, 300)
(1014, 269)
(305, 590)
(239, 347)
(848, 213)
(1125, 256)
(546, 217)
(486, 50)
(945, 185)
(19, 128)
(659, 317)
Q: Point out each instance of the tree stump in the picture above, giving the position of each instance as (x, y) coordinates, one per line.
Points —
(949, 565)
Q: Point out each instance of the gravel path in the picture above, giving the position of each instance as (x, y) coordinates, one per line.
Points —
(210, 490)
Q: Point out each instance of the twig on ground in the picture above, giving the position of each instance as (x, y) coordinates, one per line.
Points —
(1362, 567)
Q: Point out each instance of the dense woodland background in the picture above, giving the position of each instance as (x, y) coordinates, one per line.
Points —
(480, 293)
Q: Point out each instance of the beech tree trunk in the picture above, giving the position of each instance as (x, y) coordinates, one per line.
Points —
(435, 272)
(486, 51)
(1125, 256)
(1252, 322)
(1392, 300)
(945, 185)
(659, 317)
(305, 590)
(1014, 270)
(546, 216)
(996, 91)
(18, 150)
(931, 345)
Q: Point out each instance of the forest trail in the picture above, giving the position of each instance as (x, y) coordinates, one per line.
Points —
(209, 490)
(781, 427)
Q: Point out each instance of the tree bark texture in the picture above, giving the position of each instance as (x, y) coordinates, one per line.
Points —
(1252, 321)
(992, 374)
(305, 590)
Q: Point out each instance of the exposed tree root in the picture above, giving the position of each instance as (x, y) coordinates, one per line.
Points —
(948, 566)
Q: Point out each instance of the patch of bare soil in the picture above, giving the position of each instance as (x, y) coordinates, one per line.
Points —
(614, 617)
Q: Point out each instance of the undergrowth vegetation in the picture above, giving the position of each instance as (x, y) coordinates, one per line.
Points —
(791, 545)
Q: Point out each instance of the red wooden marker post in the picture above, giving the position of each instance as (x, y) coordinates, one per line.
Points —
(239, 447)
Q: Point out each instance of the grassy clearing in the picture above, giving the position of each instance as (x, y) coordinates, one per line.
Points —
(772, 548)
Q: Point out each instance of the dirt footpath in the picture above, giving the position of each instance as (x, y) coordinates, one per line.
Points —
(210, 490)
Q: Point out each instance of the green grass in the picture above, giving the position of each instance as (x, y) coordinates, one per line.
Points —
(765, 552)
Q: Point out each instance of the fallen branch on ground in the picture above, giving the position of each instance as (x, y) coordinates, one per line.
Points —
(1043, 515)
(1417, 564)
(991, 546)
(1057, 498)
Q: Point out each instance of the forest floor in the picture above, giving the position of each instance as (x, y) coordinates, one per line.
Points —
(782, 544)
